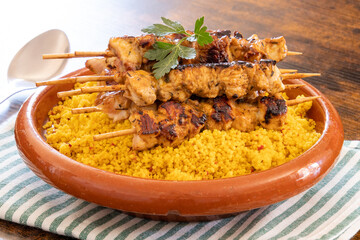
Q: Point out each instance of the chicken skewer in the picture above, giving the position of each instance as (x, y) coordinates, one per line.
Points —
(118, 108)
(127, 53)
(117, 78)
(174, 122)
(122, 87)
(235, 80)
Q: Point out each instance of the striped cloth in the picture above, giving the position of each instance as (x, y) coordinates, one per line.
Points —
(329, 210)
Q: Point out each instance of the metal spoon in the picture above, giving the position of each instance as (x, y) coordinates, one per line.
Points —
(28, 67)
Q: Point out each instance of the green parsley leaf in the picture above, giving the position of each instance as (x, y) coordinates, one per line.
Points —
(159, 52)
(162, 30)
(199, 22)
(175, 25)
(200, 35)
(165, 65)
(158, 30)
(167, 54)
(164, 45)
(187, 52)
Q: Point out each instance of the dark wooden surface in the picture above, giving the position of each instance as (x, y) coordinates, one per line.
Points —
(327, 32)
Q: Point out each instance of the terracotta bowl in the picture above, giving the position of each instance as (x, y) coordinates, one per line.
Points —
(177, 200)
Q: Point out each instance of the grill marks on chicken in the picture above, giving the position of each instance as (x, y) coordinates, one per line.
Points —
(273, 109)
(222, 110)
(174, 122)
(219, 112)
(215, 52)
(170, 125)
(147, 124)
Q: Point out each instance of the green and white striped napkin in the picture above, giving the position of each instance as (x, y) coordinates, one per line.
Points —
(329, 210)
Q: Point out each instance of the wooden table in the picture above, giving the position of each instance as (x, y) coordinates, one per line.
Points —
(327, 32)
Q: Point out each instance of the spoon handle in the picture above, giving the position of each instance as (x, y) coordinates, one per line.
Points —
(14, 91)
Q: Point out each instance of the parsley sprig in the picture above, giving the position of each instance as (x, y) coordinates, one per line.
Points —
(167, 54)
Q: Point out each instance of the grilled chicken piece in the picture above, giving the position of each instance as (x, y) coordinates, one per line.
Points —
(169, 126)
(246, 115)
(96, 65)
(114, 104)
(185, 122)
(215, 52)
(254, 49)
(147, 130)
(128, 53)
(272, 112)
(219, 112)
(101, 66)
(141, 87)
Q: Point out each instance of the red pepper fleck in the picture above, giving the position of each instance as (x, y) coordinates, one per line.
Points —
(252, 169)
(70, 145)
(112, 144)
(150, 169)
(261, 147)
(90, 148)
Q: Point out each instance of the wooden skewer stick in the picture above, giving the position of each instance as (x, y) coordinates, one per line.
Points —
(90, 90)
(58, 55)
(292, 86)
(288, 70)
(299, 75)
(77, 54)
(102, 88)
(114, 134)
(301, 100)
(292, 53)
(69, 93)
(85, 110)
(75, 80)
(94, 54)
